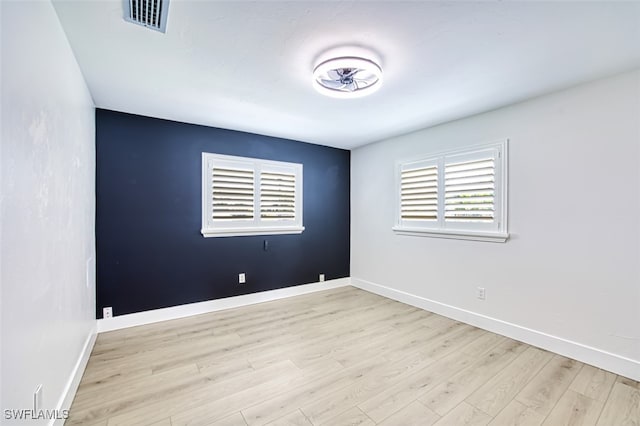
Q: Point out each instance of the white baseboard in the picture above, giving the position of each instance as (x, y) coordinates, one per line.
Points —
(175, 312)
(602, 359)
(74, 379)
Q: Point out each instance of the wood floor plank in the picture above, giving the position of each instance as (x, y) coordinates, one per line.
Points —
(191, 412)
(329, 341)
(323, 409)
(249, 344)
(517, 414)
(574, 409)
(629, 382)
(200, 408)
(103, 422)
(136, 390)
(330, 349)
(351, 417)
(293, 419)
(146, 356)
(163, 422)
(275, 407)
(446, 396)
(415, 413)
(622, 407)
(593, 382)
(115, 377)
(159, 398)
(402, 394)
(337, 357)
(415, 318)
(235, 419)
(546, 388)
(464, 415)
(393, 340)
(498, 391)
(438, 343)
(227, 368)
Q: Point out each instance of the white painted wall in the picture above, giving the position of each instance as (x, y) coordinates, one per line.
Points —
(571, 269)
(48, 199)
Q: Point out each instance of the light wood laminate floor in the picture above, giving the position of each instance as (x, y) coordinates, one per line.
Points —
(339, 357)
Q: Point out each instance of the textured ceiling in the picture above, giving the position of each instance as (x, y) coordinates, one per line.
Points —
(247, 65)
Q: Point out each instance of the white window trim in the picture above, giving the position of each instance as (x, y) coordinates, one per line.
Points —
(496, 237)
(257, 226)
(498, 234)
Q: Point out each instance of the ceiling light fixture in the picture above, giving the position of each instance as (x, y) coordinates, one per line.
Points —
(347, 77)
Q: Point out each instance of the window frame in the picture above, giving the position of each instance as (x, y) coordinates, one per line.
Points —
(496, 231)
(257, 225)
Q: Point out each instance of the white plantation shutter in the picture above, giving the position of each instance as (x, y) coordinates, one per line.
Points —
(456, 194)
(277, 196)
(419, 193)
(250, 196)
(470, 191)
(232, 194)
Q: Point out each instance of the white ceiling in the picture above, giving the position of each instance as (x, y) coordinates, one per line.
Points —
(247, 65)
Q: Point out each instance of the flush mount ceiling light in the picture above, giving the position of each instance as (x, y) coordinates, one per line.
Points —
(347, 77)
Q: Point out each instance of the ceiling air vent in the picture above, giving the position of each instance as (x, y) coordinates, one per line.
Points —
(148, 13)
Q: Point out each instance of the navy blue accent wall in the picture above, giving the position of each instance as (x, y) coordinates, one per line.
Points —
(150, 253)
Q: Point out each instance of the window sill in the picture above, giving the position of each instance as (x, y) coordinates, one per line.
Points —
(494, 237)
(241, 232)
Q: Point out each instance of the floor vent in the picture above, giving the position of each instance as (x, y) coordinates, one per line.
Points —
(148, 13)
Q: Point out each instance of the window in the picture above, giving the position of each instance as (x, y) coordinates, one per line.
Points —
(249, 196)
(457, 194)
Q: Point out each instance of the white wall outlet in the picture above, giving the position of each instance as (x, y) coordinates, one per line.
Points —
(481, 293)
(37, 398)
(321, 278)
(107, 312)
(242, 278)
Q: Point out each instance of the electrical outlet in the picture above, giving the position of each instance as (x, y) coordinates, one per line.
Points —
(242, 278)
(321, 279)
(37, 398)
(107, 312)
(481, 293)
